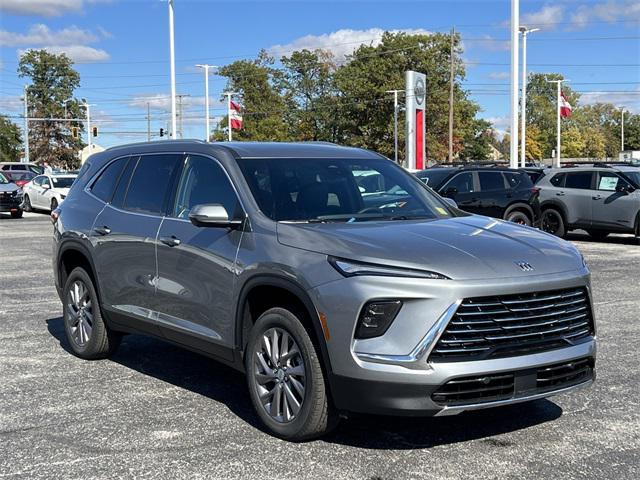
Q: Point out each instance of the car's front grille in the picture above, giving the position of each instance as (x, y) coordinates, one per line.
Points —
(511, 325)
(483, 388)
(515, 384)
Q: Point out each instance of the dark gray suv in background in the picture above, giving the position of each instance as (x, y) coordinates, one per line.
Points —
(332, 298)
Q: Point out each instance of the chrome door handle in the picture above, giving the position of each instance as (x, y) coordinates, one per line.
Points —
(104, 230)
(560, 194)
(170, 241)
(597, 197)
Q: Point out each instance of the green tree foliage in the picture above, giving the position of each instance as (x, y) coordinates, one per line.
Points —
(10, 140)
(573, 143)
(53, 80)
(476, 142)
(632, 132)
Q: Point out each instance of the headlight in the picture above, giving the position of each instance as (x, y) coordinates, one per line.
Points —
(349, 268)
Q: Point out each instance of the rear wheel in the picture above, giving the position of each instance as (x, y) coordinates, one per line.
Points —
(27, 204)
(86, 331)
(552, 222)
(519, 217)
(598, 234)
(285, 379)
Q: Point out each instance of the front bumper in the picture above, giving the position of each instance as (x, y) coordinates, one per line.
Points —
(10, 203)
(392, 374)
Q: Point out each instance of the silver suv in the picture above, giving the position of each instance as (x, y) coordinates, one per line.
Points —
(600, 200)
(270, 258)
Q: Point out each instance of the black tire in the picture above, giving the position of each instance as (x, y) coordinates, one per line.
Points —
(519, 217)
(54, 204)
(16, 214)
(316, 415)
(598, 235)
(552, 222)
(101, 342)
(26, 204)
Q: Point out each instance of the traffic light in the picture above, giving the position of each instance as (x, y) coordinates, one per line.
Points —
(162, 132)
(94, 131)
(74, 132)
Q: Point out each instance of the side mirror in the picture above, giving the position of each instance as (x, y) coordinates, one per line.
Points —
(212, 215)
(451, 202)
(623, 188)
(46, 186)
(450, 192)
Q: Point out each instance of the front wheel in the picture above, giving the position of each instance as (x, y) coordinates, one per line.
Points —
(520, 218)
(552, 222)
(27, 204)
(285, 379)
(86, 331)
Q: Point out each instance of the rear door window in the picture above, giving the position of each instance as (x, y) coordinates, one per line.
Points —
(581, 180)
(491, 181)
(150, 182)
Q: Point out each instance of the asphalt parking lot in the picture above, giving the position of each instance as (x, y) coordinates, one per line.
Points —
(156, 411)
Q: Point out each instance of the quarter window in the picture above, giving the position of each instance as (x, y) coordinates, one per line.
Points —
(558, 180)
(106, 182)
(581, 180)
(150, 183)
(204, 182)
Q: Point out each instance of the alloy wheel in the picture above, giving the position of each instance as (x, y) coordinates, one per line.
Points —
(79, 313)
(279, 375)
(550, 222)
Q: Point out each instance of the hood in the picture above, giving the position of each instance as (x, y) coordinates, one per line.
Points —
(462, 248)
(63, 191)
(8, 187)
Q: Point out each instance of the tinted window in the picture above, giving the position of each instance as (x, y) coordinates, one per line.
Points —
(433, 178)
(3, 179)
(578, 180)
(463, 183)
(634, 176)
(62, 182)
(45, 181)
(106, 182)
(491, 181)
(149, 183)
(557, 180)
(335, 190)
(203, 182)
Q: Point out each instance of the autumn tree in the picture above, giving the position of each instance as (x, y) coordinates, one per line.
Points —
(52, 82)
(10, 140)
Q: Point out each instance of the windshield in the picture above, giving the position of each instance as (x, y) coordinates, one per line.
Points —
(62, 182)
(433, 178)
(3, 179)
(20, 175)
(336, 190)
(633, 176)
(37, 169)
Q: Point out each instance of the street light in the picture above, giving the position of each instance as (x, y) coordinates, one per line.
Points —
(523, 126)
(206, 97)
(89, 142)
(515, 21)
(622, 129)
(558, 118)
(172, 62)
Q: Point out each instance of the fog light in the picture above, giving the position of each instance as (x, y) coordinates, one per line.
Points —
(376, 318)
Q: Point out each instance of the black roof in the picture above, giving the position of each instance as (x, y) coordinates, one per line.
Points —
(254, 149)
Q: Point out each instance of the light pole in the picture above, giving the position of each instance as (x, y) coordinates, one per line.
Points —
(558, 119)
(395, 122)
(622, 129)
(89, 142)
(515, 20)
(229, 95)
(523, 104)
(172, 61)
(26, 125)
(206, 68)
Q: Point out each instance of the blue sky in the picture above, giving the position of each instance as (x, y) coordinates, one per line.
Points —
(121, 47)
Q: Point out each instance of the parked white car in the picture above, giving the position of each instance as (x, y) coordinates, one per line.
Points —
(46, 192)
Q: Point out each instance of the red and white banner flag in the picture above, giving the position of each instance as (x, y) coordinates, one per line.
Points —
(565, 106)
(236, 117)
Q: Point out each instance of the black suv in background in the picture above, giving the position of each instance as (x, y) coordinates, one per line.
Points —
(494, 192)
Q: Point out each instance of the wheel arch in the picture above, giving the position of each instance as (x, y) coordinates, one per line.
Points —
(519, 206)
(74, 254)
(556, 206)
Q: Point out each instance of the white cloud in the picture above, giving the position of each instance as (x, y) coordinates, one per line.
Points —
(77, 53)
(11, 103)
(609, 11)
(501, 124)
(341, 42)
(46, 8)
(547, 17)
(629, 100)
(499, 75)
(40, 35)
(162, 101)
(491, 44)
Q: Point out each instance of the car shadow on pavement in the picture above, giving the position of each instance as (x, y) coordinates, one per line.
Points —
(611, 239)
(205, 376)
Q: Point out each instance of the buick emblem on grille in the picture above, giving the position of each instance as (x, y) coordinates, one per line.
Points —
(525, 267)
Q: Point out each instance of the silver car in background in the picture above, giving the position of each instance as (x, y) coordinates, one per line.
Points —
(269, 257)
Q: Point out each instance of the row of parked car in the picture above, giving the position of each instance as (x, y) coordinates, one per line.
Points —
(26, 187)
(599, 198)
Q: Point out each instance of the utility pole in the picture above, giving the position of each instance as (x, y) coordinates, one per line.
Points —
(523, 104)
(515, 21)
(172, 61)
(148, 123)
(89, 142)
(451, 79)
(558, 119)
(229, 95)
(26, 124)
(395, 122)
(207, 128)
(622, 129)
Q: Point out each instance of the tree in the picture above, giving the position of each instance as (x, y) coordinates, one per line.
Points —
(264, 109)
(533, 147)
(477, 141)
(53, 81)
(632, 132)
(10, 140)
(573, 143)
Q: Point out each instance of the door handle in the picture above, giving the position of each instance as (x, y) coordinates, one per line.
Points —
(104, 230)
(560, 194)
(597, 197)
(171, 241)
